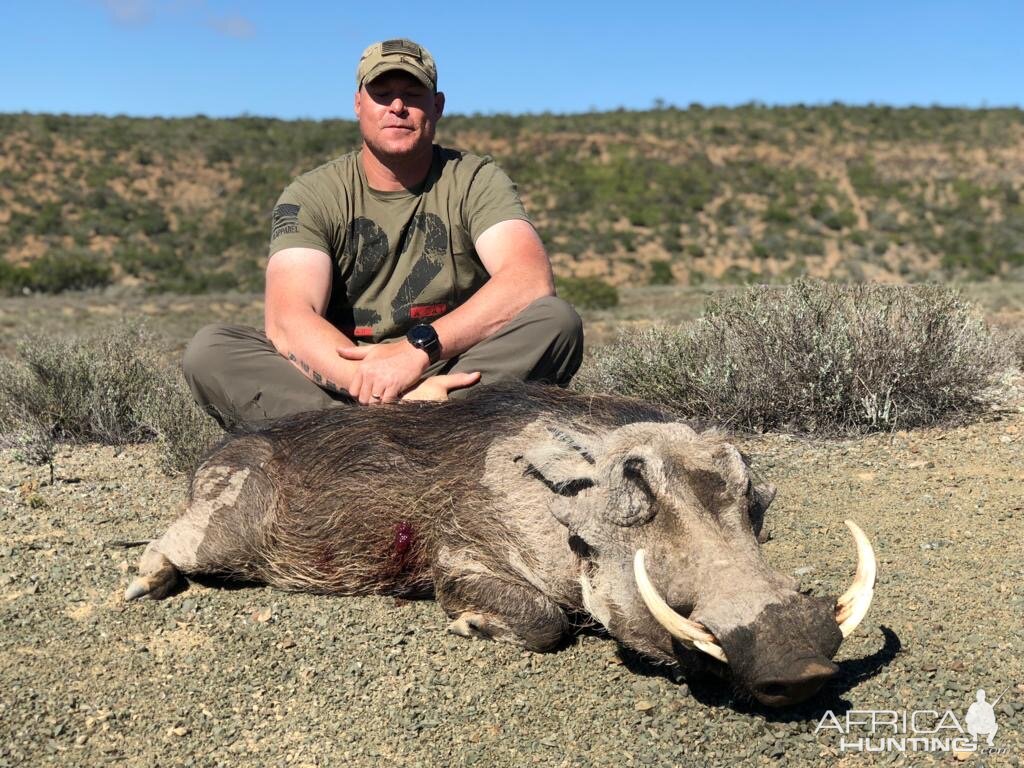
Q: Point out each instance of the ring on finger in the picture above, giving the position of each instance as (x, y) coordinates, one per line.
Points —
(376, 397)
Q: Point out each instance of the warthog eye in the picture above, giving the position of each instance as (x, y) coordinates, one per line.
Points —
(564, 487)
(579, 547)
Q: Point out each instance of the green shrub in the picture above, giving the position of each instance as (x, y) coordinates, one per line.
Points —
(12, 279)
(55, 272)
(112, 388)
(812, 357)
(843, 219)
(780, 213)
(661, 273)
(587, 292)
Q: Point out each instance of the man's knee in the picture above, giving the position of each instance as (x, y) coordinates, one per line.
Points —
(204, 352)
(559, 316)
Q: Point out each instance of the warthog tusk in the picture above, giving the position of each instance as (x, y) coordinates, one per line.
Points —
(852, 605)
(681, 628)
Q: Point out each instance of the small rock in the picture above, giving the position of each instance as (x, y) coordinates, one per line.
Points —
(643, 706)
(123, 566)
(263, 615)
(804, 571)
(178, 731)
(962, 756)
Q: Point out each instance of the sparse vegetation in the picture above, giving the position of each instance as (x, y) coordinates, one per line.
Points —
(111, 388)
(183, 205)
(32, 441)
(587, 292)
(1012, 339)
(812, 357)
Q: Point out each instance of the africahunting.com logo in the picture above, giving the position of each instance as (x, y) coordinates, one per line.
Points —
(917, 730)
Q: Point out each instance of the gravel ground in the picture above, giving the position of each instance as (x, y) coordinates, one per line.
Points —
(218, 676)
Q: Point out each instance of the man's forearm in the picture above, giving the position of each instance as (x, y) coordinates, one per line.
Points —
(499, 300)
(310, 343)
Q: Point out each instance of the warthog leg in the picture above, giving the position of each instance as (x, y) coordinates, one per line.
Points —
(157, 576)
(485, 605)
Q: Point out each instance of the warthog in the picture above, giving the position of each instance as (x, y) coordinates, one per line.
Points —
(526, 512)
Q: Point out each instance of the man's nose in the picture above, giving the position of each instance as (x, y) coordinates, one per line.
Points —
(397, 104)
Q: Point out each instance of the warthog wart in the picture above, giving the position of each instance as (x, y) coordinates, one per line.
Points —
(526, 512)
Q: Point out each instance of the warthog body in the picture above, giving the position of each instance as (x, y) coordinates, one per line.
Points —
(521, 510)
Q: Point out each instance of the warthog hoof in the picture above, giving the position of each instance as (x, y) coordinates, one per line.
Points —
(470, 624)
(157, 577)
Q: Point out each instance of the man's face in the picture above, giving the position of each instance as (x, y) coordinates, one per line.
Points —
(397, 114)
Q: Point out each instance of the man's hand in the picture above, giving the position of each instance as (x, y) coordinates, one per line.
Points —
(385, 372)
(438, 387)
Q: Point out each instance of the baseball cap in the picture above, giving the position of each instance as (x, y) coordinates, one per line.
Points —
(400, 54)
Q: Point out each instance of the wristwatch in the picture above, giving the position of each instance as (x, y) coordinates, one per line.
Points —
(424, 337)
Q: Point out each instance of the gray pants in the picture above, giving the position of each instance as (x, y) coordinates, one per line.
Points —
(238, 376)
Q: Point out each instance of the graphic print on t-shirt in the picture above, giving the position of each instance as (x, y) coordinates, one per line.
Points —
(285, 220)
(367, 248)
(425, 268)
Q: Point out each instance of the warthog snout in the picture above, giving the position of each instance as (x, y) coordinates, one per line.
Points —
(799, 682)
(782, 655)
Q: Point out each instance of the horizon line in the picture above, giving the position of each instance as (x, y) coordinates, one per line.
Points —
(666, 107)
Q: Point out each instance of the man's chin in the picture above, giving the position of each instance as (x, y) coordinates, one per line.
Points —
(396, 148)
(399, 149)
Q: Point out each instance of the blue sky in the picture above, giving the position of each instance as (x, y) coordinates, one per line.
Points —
(297, 59)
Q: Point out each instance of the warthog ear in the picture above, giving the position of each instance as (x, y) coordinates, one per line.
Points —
(761, 497)
(632, 499)
(565, 464)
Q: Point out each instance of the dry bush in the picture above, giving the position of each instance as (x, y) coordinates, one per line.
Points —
(1013, 340)
(112, 388)
(179, 425)
(32, 441)
(812, 357)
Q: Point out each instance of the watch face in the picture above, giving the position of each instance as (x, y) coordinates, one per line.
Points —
(425, 337)
(422, 334)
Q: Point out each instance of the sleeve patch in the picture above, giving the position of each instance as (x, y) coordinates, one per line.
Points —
(285, 220)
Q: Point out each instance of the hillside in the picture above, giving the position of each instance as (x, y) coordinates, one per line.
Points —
(684, 196)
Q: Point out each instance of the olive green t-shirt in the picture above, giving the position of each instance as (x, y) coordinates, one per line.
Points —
(398, 258)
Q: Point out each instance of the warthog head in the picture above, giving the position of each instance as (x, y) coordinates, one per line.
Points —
(666, 523)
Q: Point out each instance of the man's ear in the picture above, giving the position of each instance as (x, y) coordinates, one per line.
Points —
(356, 100)
(439, 103)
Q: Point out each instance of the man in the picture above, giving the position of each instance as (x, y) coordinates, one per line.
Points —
(402, 270)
